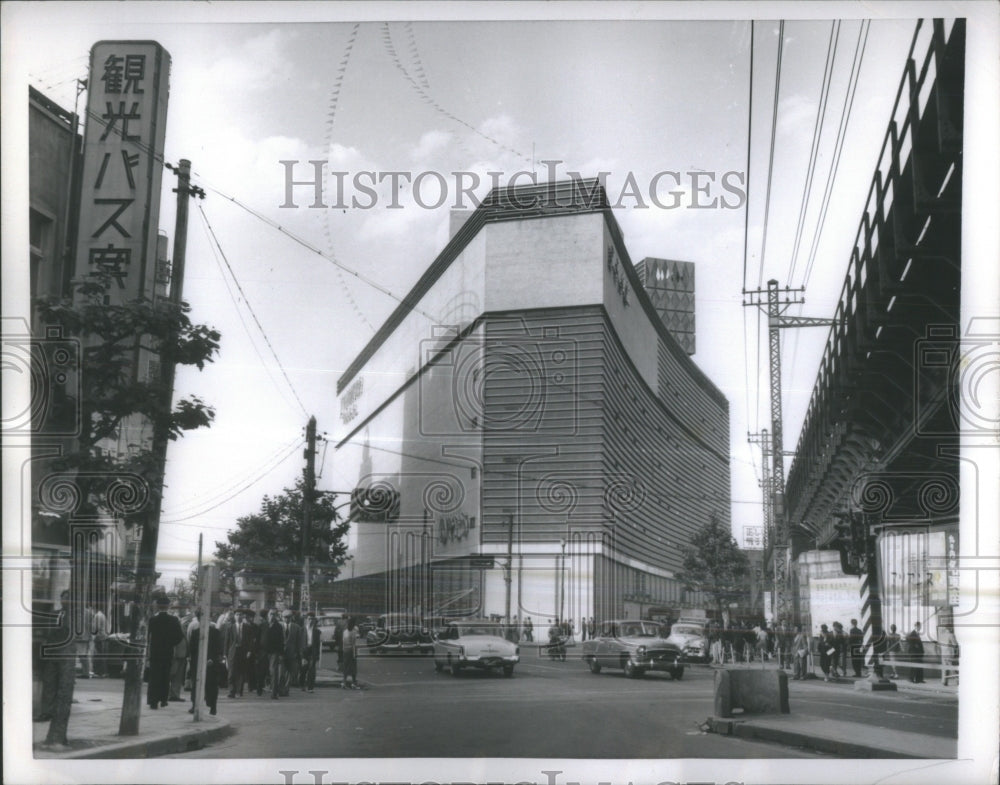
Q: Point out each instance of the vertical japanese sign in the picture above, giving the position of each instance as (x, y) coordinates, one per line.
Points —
(123, 167)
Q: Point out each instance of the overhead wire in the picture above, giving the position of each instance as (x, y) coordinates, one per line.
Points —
(770, 162)
(253, 313)
(845, 117)
(817, 135)
(179, 521)
(239, 312)
(192, 506)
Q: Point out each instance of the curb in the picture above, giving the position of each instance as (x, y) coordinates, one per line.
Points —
(849, 749)
(155, 746)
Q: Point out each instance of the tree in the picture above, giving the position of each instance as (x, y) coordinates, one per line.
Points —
(113, 391)
(267, 546)
(714, 564)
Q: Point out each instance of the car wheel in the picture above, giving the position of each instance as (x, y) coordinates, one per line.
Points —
(631, 671)
(595, 666)
(677, 673)
(508, 670)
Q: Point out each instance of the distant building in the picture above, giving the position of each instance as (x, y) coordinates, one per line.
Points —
(670, 286)
(526, 403)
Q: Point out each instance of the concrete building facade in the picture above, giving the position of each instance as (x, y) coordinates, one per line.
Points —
(533, 442)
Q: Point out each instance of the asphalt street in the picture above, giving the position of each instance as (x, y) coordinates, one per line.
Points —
(547, 710)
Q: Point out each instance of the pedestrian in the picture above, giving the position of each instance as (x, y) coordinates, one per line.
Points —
(839, 665)
(528, 629)
(915, 652)
(178, 664)
(786, 645)
(193, 623)
(164, 634)
(349, 646)
(260, 652)
(800, 650)
(292, 651)
(715, 644)
(274, 646)
(84, 648)
(213, 667)
(311, 651)
(100, 642)
(893, 649)
(827, 652)
(239, 653)
(58, 676)
(761, 644)
(856, 640)
(338, 637)
(592, 628)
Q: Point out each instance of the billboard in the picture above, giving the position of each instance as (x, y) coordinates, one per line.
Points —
(125, 127)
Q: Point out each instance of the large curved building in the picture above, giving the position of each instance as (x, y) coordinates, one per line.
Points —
(526, 406)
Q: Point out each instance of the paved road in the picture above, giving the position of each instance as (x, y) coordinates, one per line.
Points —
(547, 710)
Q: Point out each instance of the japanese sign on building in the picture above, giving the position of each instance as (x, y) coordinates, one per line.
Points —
(123, 167)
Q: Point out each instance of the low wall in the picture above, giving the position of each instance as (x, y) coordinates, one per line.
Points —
(753, 691)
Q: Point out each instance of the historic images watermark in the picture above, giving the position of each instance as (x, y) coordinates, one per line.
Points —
(549, 777)
(668, 189)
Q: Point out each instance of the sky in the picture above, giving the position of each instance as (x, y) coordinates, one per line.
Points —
(251, 87)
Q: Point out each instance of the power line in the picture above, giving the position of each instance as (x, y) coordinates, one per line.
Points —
(246, 327)
(177, 521)
(824, 94)
(770, 162)
(269, 463)
(845, 117)
(252, 313)
(746, 211)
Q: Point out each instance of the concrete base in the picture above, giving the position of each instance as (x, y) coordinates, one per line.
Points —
(754, 691)
(875, 684)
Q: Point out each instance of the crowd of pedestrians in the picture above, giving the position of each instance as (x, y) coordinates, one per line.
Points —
(264, 652)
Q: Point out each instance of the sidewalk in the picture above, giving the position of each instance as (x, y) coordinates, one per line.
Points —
(96, 713)
(839, 737)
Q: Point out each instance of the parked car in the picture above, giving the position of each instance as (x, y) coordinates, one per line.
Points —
(635, 647)
(327, 626)
(474, 643)
(399, 632)
(692, 638)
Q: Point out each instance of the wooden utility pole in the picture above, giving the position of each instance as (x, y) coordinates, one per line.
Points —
(308, 495)
(145, 576)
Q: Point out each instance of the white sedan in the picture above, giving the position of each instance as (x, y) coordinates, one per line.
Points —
(469, 643)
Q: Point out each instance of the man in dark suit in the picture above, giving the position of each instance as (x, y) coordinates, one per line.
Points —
(292, 651)
(310, 651)
(58, 675)
(213, 661)
(856, 640)
(274, 647)
(239, 651)
(164, 634)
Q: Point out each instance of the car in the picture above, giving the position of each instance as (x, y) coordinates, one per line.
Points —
(634, 646)
(327, 626)
(474, 643)
(399, 632)
(692, 638)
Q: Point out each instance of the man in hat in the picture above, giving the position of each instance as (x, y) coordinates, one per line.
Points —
(311, 651)
(292, 650)
(58, 676)
(164, 634)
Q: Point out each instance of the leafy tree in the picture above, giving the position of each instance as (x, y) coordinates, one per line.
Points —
(714, 565)
(113, 393)
(267, 546)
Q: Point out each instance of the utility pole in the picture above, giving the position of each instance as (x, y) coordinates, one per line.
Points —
(776, 302)
(509, 572)
(308, 494)
(145, 576)
(769, 538)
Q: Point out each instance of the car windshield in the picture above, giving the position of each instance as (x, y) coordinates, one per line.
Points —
(637, 629)
(478, 629)
(686, 629)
